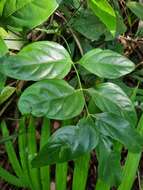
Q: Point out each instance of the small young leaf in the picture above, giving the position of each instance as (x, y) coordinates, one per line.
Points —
(106, 63)
(3, 47)
(68, 143)
(6, 93)
(52, 98)
(109, 97)
(105, 12)
(119, 129)
(37, 61)
(136, 8)
(3, 32)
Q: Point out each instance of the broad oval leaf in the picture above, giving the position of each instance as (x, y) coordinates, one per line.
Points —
(68, 143)
(53, 98)
(105, 13)
(119, 129)
(27, 13)
(136, 8)
(106, 63)
(37, 61)
(111, 98)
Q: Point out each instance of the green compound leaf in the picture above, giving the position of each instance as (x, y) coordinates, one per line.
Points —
(111, 98)
(68, 143)
(53, 98)
(118, 128)
(37, 61)
(106, 63)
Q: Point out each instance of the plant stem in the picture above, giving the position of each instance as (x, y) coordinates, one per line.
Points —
(131, 165)
(78, 77)
(80, 86)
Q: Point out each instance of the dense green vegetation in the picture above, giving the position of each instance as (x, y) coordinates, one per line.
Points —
(71, 93)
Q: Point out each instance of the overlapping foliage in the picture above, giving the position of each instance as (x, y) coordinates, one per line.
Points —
(102, 114)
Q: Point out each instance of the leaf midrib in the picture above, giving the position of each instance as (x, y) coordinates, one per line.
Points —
(63, 97)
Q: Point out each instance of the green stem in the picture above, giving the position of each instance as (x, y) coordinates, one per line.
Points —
(78, 77)
(131, 165)
(80, 86)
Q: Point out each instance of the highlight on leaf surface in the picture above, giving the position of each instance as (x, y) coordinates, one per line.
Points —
(117, 128)
(37, 61)
(106, 63)
(109, 97)
(68, 143)
(53, 98)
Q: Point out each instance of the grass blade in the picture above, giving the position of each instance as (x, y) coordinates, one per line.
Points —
(32, 150)
(45, 171)
(101, 186)
(61, 176)
(81, 172)
(22, 143)
(11, 179)
(11, 152)
(62, 169)
(131, 165)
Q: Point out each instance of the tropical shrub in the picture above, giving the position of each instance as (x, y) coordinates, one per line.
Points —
(81, 87)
